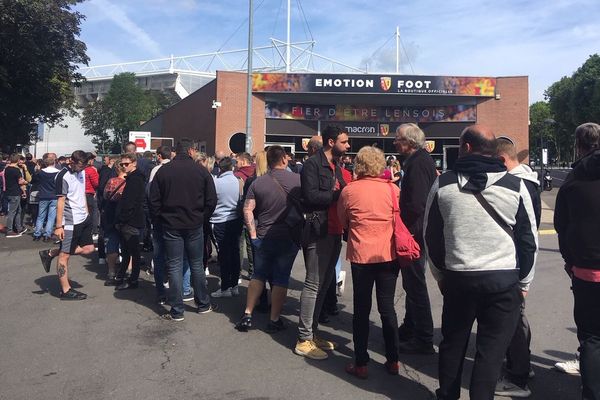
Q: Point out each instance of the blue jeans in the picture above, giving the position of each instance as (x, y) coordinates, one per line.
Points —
(47, 208)
(180, 243)
(158, 257)
(273, 260)
(227, 235)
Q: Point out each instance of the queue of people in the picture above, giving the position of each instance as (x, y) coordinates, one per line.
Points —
(474, 226)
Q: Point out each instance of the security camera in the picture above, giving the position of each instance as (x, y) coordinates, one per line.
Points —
(216, 104)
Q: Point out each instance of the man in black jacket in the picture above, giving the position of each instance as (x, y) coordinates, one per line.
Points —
(182, 195)
(416, 332)
(577, 221)
(322, 181)
(130, 220)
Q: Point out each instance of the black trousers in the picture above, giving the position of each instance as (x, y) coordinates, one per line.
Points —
(130, 250)
(417, 317)
(496, 315)
(518, 355)
(587, 312)
(384, 277)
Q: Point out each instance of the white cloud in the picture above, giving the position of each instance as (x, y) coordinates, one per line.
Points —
(122, 20)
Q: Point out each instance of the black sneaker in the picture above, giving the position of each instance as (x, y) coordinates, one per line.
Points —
(207, 309)
(245, 323)
(127, 285)
(73, 294)
(414, 346)
(169, 317)
(275, 326)
(13, 235)
(46, 259)
(112, 281)
(188, 297)
(36, 238)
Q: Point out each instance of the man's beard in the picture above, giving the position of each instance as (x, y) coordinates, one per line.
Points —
(337, 153)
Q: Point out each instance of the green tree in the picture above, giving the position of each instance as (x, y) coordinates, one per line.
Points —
(39, 53)
(574, 100)
(96, 121)
(128, 105)
(540, 126)
(125, 106)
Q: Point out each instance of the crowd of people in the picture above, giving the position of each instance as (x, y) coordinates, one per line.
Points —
(475, 228)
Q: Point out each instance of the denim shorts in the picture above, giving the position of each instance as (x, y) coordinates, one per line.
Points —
(111, 238)
(273, 260)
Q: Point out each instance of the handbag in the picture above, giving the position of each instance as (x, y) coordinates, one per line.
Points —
(406, 248)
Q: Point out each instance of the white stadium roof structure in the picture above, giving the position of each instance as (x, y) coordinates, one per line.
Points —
(184, 75)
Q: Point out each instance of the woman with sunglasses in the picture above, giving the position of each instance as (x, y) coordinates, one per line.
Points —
(130, 220)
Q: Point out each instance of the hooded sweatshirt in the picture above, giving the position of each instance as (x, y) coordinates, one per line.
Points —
(532, 183)
(465, 246)
(577, 214)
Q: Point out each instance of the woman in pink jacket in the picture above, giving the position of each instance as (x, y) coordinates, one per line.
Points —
(365, 208)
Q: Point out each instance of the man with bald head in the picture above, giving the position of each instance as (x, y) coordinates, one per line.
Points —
(481, 242)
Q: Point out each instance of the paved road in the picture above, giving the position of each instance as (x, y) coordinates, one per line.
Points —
(114, 346)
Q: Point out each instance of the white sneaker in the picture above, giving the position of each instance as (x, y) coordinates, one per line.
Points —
(220, 293)
(235, 291)
(341, 283)
(101, 261)
(570, 367)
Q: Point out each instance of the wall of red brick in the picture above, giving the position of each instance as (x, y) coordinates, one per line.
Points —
(231, 116)
(509, 116)
(193, 117)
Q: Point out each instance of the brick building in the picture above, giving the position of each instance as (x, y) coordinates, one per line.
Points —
(289, 108)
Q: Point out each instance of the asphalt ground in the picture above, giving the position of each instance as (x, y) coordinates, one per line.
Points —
(114, 345)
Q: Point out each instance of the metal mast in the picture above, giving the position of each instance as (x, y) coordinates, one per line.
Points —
(397, 49)
(288, 43)
(249, 86)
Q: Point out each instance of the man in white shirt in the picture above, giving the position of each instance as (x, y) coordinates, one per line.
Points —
(73, 223)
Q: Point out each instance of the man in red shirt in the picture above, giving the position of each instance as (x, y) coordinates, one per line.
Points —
(91, 186)
(322, 182)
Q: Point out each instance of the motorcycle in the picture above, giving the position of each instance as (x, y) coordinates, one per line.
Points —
(547, 182)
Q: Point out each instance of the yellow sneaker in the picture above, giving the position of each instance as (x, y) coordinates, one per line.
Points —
(309, 349)
(325, 344)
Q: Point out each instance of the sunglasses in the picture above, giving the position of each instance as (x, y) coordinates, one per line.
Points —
(125, 164)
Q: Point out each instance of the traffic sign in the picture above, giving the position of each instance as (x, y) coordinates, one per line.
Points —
(141, 140)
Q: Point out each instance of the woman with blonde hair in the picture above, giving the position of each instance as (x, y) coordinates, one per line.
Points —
(366, 209)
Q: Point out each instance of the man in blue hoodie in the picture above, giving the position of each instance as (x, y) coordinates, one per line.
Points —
(47, 196)
(481, 242)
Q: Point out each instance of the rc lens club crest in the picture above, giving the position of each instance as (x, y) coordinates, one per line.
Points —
(385, 82)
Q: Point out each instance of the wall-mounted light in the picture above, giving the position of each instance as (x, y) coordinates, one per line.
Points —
(216, 104)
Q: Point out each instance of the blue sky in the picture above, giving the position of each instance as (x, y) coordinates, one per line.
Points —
(542, 39)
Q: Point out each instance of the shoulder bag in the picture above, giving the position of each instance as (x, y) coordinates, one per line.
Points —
(406, 248)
